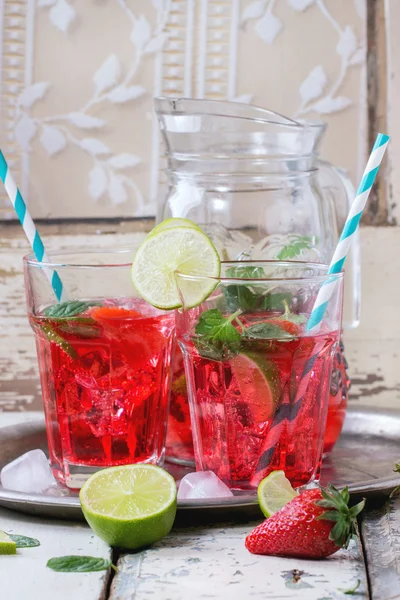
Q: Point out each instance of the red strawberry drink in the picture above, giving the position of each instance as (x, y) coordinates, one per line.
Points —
(105, 376)
(258, 381)
(179, 444)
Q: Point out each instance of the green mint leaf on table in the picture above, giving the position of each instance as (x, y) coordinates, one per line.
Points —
(217, 338)
(352, 590)
(22, 541)
(295, 247)
(79, 564)
(68, 309)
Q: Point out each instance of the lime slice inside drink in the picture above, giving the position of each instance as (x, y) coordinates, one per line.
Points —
(259, 383)
(130, 506)
(7, 546)
(173, 222)
(184, 249)
(274, 492)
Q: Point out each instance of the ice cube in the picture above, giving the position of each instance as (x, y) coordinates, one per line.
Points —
(29, 473)
(203, 484)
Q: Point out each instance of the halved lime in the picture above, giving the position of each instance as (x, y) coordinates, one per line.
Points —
(259, 383)
(184, 249)
(173, 222)
(7, 546)
(274, 492)
(130, 506)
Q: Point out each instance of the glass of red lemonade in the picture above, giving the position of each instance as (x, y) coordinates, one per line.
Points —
(104, 360)
(258, 382)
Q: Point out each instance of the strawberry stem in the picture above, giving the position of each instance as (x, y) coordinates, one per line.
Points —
(339, 512)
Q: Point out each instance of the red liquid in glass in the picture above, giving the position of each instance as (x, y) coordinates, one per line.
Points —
(105, 377)
(179, 444)
(257, 413)
(179, 436)
(338, 396)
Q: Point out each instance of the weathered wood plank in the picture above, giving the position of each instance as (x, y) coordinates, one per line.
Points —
(200, 563)
(380, 531)
(376, 212)
(391, 109)
(27, 574)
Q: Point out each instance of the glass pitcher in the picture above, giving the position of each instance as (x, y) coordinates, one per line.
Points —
(252, 179)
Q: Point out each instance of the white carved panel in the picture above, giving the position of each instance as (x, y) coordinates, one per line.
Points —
(78, 79)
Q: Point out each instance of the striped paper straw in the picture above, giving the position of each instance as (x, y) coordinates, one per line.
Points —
(350, 227)
(30, 229)
(289, 412)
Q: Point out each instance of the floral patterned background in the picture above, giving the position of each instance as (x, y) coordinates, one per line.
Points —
(77, 123)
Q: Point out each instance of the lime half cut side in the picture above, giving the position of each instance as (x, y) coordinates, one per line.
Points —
(130, 506)
(184, 249)
(274, 492)
(173, 222)
(7, 545)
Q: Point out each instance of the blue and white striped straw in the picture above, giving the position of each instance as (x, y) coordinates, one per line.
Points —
(30, 229)
(350, 227)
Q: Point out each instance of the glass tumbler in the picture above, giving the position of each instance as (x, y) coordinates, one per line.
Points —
(258, 381)
(104, 360)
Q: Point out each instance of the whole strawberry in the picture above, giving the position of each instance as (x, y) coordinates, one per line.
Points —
(315, 524)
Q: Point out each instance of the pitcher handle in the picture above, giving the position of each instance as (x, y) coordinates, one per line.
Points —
(336, 182)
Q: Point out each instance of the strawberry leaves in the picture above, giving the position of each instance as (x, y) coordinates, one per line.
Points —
(339, 512)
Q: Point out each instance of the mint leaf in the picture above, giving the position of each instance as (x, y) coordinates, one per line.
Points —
(263, 331)
(68, 309)
(275, 301)
(216, 337)
(292, 317)
(245, 272)
(78, 564)
(22, 541)
(84, 327)
(239, 296)
(352, 590)
(295, 247)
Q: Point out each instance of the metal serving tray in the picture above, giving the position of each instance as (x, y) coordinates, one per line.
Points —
(363, 459)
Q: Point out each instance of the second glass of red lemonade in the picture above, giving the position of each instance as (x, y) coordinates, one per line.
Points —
(104, 360)
(258, 381)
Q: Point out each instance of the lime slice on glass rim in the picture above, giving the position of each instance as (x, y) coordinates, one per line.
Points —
(274, 492)
(173, 222)
(130, 506)
(7, 545)
(184, 249)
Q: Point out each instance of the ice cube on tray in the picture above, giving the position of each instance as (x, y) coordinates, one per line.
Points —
(29, 473)
(203, 484)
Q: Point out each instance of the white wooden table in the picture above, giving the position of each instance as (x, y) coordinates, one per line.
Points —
(198, 563)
